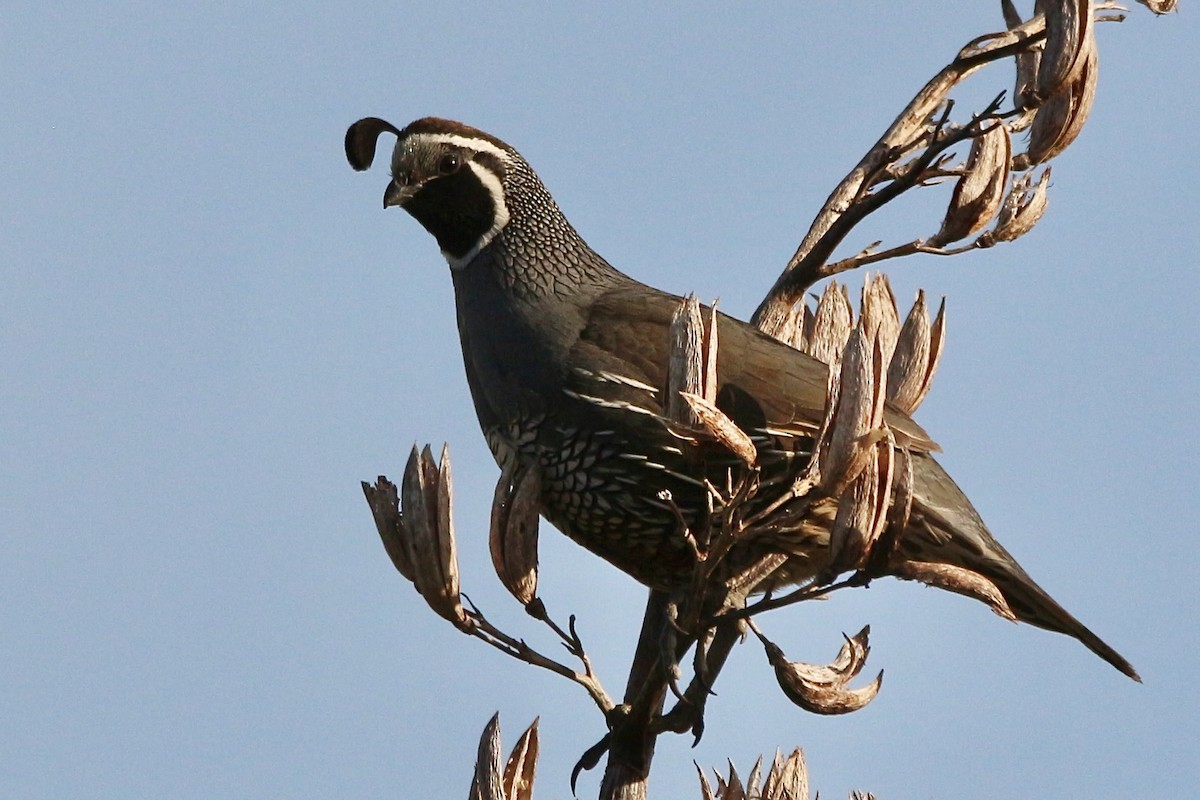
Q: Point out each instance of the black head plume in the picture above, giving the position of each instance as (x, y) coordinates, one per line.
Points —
(361, 138)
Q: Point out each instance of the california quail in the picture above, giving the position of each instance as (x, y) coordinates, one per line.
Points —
(566, 360)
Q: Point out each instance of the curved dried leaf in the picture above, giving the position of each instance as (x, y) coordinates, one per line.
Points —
(1160, 6)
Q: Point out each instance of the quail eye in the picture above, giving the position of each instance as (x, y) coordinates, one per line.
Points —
(449, 163)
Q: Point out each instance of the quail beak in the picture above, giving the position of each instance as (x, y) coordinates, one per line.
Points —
(396, 195)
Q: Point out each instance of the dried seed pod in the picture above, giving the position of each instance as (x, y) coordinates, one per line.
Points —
(1061, 118)
(979, 193)
(797, 326)
(733, 788)
(1022, 209)
(488, 782)
(1159, 6)
(879, 315)
(918, 350)
(788, 778)
(513, 539)
(954, 579)
(1027, 69)
(520, 770)
(823, 689)
(722, 428)
(858, 412)
(755, 772)
(427, 497)
(384, 500)
(831, 324)
(862, 512)
(1069, 25)
(685, 370)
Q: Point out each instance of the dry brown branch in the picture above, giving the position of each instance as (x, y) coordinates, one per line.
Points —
(1055, 63)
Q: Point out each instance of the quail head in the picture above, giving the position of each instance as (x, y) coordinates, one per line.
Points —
(566, 359)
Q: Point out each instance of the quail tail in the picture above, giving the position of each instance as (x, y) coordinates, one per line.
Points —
(954, 534)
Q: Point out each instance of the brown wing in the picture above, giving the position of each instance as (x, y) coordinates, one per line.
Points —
(627, 331)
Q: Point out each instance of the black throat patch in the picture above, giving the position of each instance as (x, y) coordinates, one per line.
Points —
(457, 209)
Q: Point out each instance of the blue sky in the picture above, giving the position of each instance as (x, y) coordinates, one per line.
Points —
(212, 333)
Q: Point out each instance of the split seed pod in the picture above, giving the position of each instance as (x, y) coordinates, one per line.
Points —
(427, 497)
(513, 539)
(918, 351)
(1022, 209)
(831, 324)
(1062, 116)
(824, 689)
(979, 193)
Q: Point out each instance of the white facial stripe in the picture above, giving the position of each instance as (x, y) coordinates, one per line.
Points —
(492, 184)
(465, 142)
